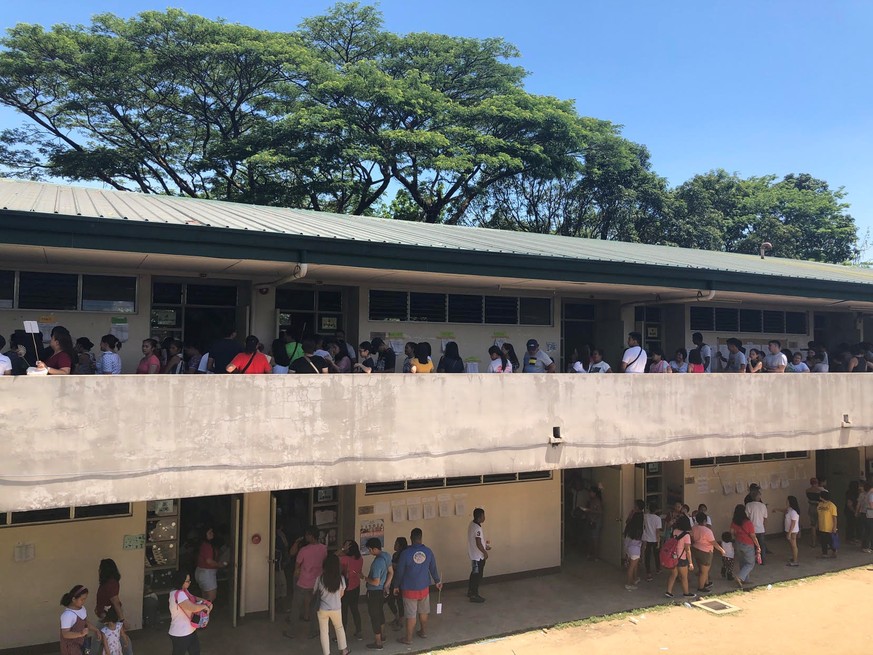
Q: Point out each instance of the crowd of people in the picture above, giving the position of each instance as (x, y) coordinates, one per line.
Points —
(683, 543)
(320, 354)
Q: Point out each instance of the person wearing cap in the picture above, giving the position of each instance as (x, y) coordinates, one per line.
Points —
(634, 359)
(535, 360)
(387, 358)
(736, 359)
(378, 580)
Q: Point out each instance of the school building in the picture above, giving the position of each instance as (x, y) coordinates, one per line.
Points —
(127, 466)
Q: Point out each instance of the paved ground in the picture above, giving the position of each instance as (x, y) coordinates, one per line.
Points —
(581, 590)
(794, 614)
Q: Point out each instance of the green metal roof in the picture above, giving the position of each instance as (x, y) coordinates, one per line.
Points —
(95, 218)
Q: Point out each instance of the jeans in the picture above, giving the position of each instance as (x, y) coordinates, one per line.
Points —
(652, 552)
(826, 541)
(187, 645)
(376, 610)
(350, 602)
(866, 531)
(335, 617)
(478, 570)
(746, 555)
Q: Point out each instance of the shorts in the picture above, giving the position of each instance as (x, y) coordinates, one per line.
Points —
(413, 606)
(682, 563)
(633, 547)
(207, 579)
(701, 558)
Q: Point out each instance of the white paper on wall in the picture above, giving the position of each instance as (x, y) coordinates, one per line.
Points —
(445, 505)
(739, 486)
(413, 509)
(398, 511)
(429, 508)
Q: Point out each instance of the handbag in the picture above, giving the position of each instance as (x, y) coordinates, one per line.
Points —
(249, 363)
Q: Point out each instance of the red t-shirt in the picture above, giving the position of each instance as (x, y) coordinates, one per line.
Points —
(352, 568)
(743, 532)
(105, 593)
(146, 363)
(259, 363)
(60, 360)
(206, 553)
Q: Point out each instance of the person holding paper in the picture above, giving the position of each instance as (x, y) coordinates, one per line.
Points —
(62, 358)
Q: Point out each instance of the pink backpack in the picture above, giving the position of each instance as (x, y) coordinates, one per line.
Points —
(669, 553)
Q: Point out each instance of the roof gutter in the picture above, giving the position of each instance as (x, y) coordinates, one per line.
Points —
(700, 296)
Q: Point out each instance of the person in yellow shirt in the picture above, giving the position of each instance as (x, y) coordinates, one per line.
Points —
(827, 525)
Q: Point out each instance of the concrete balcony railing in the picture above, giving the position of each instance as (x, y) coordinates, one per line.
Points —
(84, 440)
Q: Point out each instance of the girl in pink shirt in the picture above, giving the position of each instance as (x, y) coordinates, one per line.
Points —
(149, 364)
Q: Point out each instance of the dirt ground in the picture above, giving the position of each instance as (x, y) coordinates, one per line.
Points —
(815, 615)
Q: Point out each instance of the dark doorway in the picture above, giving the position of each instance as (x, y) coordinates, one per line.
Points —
(577, 329)
(204, 325)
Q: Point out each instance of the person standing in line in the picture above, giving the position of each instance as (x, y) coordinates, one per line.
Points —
(865, 515)
(634, 526)
(115, 638)
(853, 495)
(536, 361)
(206, 573)
(703, 544)
(387, 358)
(736, 359)
(659, 364)
(451, 361)
(395, 603)
(813, 496)
(75, 628)
(827, 525)
(409, 351)
(477, 548)
(651, 538)
(682, 532)
(679, 363)
(183, 604)
(109, 591)
(328, 593)
(509, 350)
(634, 359)
(222, 352)
(109, 362)
(594, 513)
(704, 350)
(415, 570)
(308, 566)
(792, 527)
(597, 363)
(351, 565)
(499, 361)
(776, 361)
(745, 542)
(757, 513)
(379, 579)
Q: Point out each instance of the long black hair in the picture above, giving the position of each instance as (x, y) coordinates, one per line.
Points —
(793, 504)
(331, 576)
(353, 549)
(511, 356)
(108, 571)
(739, 515)
(65, 341)
(494, 350)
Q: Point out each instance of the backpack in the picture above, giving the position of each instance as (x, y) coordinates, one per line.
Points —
(668, 555)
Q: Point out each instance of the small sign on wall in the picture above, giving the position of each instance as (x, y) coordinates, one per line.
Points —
(133, 542)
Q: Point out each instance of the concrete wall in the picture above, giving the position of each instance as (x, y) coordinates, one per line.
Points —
(67, 554)
(522, 522)
(200, 435)
(706, 485)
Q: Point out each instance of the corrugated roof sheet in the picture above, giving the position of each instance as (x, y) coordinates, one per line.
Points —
(41, 198)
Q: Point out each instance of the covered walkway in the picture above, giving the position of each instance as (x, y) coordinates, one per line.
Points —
(580, 590)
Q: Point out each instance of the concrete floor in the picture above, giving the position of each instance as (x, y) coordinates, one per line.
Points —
(581, 590)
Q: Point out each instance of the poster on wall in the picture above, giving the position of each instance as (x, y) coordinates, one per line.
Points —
(429, 508)
(461, 505)
(445, 505)
(398, 511)
(413, 509)
(372, 528)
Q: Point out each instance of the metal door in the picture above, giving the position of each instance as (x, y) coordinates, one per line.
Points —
(609, 477)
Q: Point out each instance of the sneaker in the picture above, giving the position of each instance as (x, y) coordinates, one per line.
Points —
(631, 587)
(649, 578)
(477, 599)
(668, 594)
(866, 550)
(708, 585)
(792, 564)
(690, 595)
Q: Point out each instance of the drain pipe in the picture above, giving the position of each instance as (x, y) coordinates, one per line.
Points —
(700, 296)
(300, 271)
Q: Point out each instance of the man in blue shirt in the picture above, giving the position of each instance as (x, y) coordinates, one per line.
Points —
(378, 581)
(415, 569)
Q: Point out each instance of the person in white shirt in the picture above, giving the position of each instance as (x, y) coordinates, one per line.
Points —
(757, 513)
(597, 363)
(792, 527)
(736, 359)
(652, 526)
(797, 364)
(705, 351)
(5, 362)
(477, 549)
(776, 361)
(634, 359)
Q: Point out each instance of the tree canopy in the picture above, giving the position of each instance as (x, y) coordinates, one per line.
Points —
(342, 115)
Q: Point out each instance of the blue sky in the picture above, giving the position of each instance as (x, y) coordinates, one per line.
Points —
(751, 87)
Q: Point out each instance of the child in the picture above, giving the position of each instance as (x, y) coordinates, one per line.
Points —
(86, 363)
(366, 365)
(110, 361)
(115, 639)
(703, 508)
(727, 560)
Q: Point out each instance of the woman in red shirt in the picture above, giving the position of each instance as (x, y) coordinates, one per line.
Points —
(351, 565)
(745, 543)
(250, 361)
(206, 573)
(150, 362)
(61, 361)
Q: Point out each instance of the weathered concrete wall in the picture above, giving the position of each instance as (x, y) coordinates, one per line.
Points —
(86, 440)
